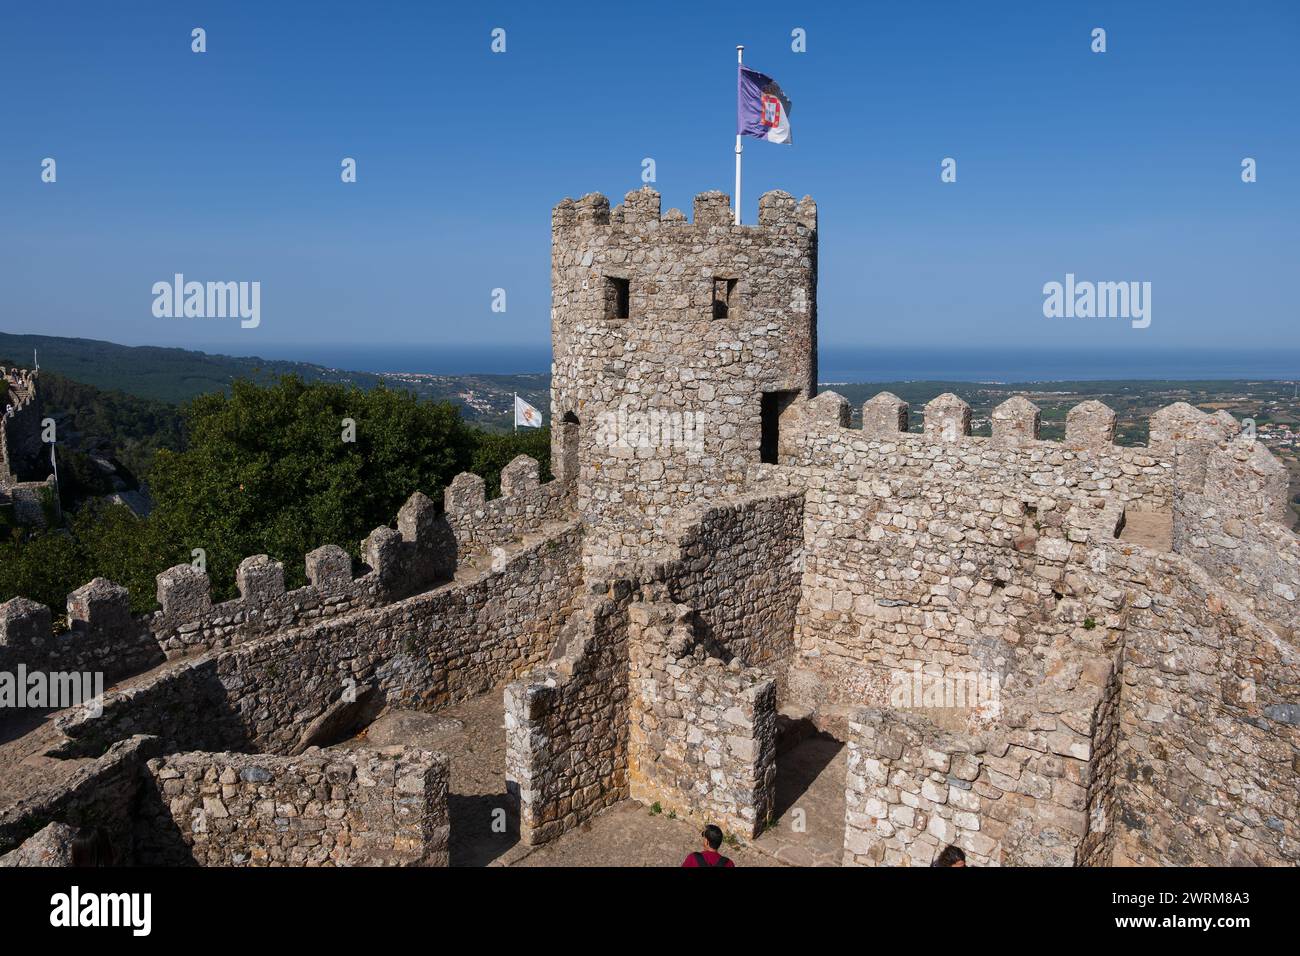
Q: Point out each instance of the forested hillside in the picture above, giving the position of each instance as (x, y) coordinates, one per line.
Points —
(176, 376)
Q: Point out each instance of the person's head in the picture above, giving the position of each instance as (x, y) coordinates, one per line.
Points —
(712, 836)
(90, 847)
(950, 856)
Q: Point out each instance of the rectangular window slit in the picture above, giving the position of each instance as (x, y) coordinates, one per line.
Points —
(618, 297)
(723, 298)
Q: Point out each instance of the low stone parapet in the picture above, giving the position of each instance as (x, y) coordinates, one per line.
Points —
(383, 807)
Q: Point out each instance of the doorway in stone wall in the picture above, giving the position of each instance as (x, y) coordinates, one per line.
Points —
(807, 826)
(773, 405)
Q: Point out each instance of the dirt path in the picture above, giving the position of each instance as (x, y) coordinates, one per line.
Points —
(472, 734)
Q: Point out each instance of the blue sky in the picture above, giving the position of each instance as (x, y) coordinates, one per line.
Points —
(225, 165)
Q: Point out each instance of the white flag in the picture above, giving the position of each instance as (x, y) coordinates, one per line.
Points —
(526, 415)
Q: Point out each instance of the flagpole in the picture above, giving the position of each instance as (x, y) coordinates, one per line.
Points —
(740, 58)
(514, 412)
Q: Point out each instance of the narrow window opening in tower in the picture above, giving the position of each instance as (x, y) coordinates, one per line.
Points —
(724, 291)
(618, 297)
(567, 446)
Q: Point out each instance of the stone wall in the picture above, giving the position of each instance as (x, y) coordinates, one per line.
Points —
(567, 725)
(188, 622)
(418, 554)
(910, 792)
(1163, 731)
(185, 706)
(737, 563)
(101, 636)
(281, 693)
(703, 733)
(1014, 795)
(339, 808)
(524, 507)
(567, 722)
(667, 334)
(1180, 732)
(1231, 526)
(102, 794)
(1209, 749)
(922, 549)
(1257, 561)
(30, 500)
(423, 550)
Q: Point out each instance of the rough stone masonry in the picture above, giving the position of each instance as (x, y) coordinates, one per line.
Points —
(1010, 669)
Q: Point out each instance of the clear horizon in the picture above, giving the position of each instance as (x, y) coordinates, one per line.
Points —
(838, 362)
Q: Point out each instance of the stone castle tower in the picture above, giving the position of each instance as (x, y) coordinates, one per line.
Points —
(20, 435)
(26, 484)
(677, 346)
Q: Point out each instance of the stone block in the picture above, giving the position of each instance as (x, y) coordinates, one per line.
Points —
(260, 579)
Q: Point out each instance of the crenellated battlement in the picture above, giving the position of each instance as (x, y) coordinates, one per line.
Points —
(525, 505)
(641, 211)
(423, 550)
(1219, 496)
(100, 635)
(947, 419)
(1183, 439)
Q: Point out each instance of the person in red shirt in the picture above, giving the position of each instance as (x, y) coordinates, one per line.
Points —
(709, 856)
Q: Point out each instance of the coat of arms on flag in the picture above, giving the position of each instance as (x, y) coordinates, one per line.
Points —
(526, 415)
(762, 109)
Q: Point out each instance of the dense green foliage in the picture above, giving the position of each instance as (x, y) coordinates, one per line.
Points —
(494, 450)
(99, 541)
(267, 470)
(132, 428)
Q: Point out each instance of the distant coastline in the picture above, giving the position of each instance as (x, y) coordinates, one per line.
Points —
(471, 374)
(846, 363)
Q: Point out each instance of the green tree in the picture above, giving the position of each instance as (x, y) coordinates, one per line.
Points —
(494, 450)
(279, 470)
(41, 568)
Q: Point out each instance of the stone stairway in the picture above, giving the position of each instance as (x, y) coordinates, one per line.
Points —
(480, 561)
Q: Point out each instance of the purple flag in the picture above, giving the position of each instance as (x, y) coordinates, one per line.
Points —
(762, 110)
